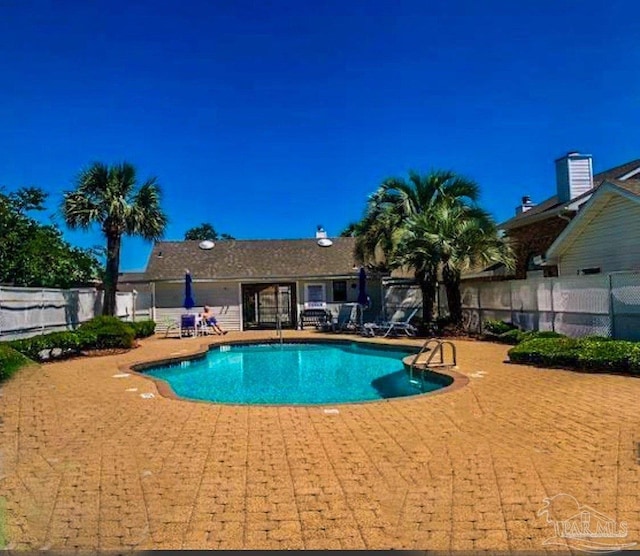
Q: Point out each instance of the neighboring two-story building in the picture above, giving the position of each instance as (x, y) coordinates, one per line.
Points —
(535, 227)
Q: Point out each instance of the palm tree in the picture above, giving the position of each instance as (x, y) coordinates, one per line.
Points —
(453, 238)
(110, 196)
(384, 226)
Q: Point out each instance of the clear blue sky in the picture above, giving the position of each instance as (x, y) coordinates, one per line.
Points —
(267, 118)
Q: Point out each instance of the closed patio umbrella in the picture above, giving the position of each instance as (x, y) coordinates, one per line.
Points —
(188, 296)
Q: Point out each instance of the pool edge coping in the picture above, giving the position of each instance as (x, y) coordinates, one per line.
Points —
(165, 390)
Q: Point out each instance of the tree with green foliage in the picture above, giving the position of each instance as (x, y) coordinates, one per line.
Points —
(451, 238)
(36, 255)
(384, 224)
(411, 224)
(205, 231)
(111, 197)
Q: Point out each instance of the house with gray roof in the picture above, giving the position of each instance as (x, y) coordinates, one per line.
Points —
(251, 283)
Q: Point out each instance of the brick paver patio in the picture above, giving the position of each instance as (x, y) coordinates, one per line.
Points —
(87, 464)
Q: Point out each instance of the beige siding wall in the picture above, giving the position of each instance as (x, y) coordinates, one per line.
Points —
(352, 290)
(223, 298)
(611, 240)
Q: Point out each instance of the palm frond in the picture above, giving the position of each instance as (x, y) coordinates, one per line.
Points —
(146, 217)
(80, 211)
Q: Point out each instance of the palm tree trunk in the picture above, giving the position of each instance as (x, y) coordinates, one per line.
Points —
(428, 289)
(111, 273)
(454, 299)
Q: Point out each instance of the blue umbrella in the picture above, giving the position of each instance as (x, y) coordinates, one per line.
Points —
(363, 298)
(188, 297)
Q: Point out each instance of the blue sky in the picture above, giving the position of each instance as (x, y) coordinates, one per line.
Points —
(267, 118)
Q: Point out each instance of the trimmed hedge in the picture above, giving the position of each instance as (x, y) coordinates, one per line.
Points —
(98, 333)
(589, 354)
(10, 361)
(109, 332)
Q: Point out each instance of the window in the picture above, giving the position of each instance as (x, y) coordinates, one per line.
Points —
(340, 290)
(315, 296)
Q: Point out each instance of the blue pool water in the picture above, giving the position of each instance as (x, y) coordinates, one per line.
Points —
(311, 373)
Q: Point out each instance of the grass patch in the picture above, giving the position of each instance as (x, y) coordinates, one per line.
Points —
(3, 528)
(10, 361)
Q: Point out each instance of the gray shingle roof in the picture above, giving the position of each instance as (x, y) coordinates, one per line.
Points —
(132, 277)
(256, 259)
(550, 205)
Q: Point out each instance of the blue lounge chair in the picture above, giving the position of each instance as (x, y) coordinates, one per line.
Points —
(400, 322)
(188, 325)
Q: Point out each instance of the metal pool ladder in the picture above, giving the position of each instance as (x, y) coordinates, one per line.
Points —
(279, 327)
(435, 360)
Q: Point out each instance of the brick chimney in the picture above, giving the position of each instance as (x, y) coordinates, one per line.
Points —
(574, 176)
(525, 205)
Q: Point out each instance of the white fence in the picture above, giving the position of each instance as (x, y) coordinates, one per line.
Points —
(398, 296)
(603, 304)
(27, 312)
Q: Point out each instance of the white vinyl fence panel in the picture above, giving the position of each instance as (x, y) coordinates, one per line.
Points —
(400, 296)
(602, 304)
(27, 312)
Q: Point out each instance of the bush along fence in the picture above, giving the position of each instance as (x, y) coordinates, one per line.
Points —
(595, 354)
(26, 312)
(98, 333)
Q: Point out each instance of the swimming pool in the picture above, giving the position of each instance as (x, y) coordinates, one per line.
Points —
(294, 373)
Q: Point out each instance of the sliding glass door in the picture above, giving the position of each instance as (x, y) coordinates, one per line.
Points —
(263, 304)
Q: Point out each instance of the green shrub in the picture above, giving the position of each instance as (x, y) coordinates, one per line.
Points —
(109, 332)
(497, 327)
(591, 354)
(47, 346)
(143, 328)
(609, 355)
(516, 336)
(30, 347)
(10, 361)
(512, 337)
(544, 334)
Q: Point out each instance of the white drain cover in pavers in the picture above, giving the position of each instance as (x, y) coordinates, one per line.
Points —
(147, 395)
(331, 411)
(121, 375)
